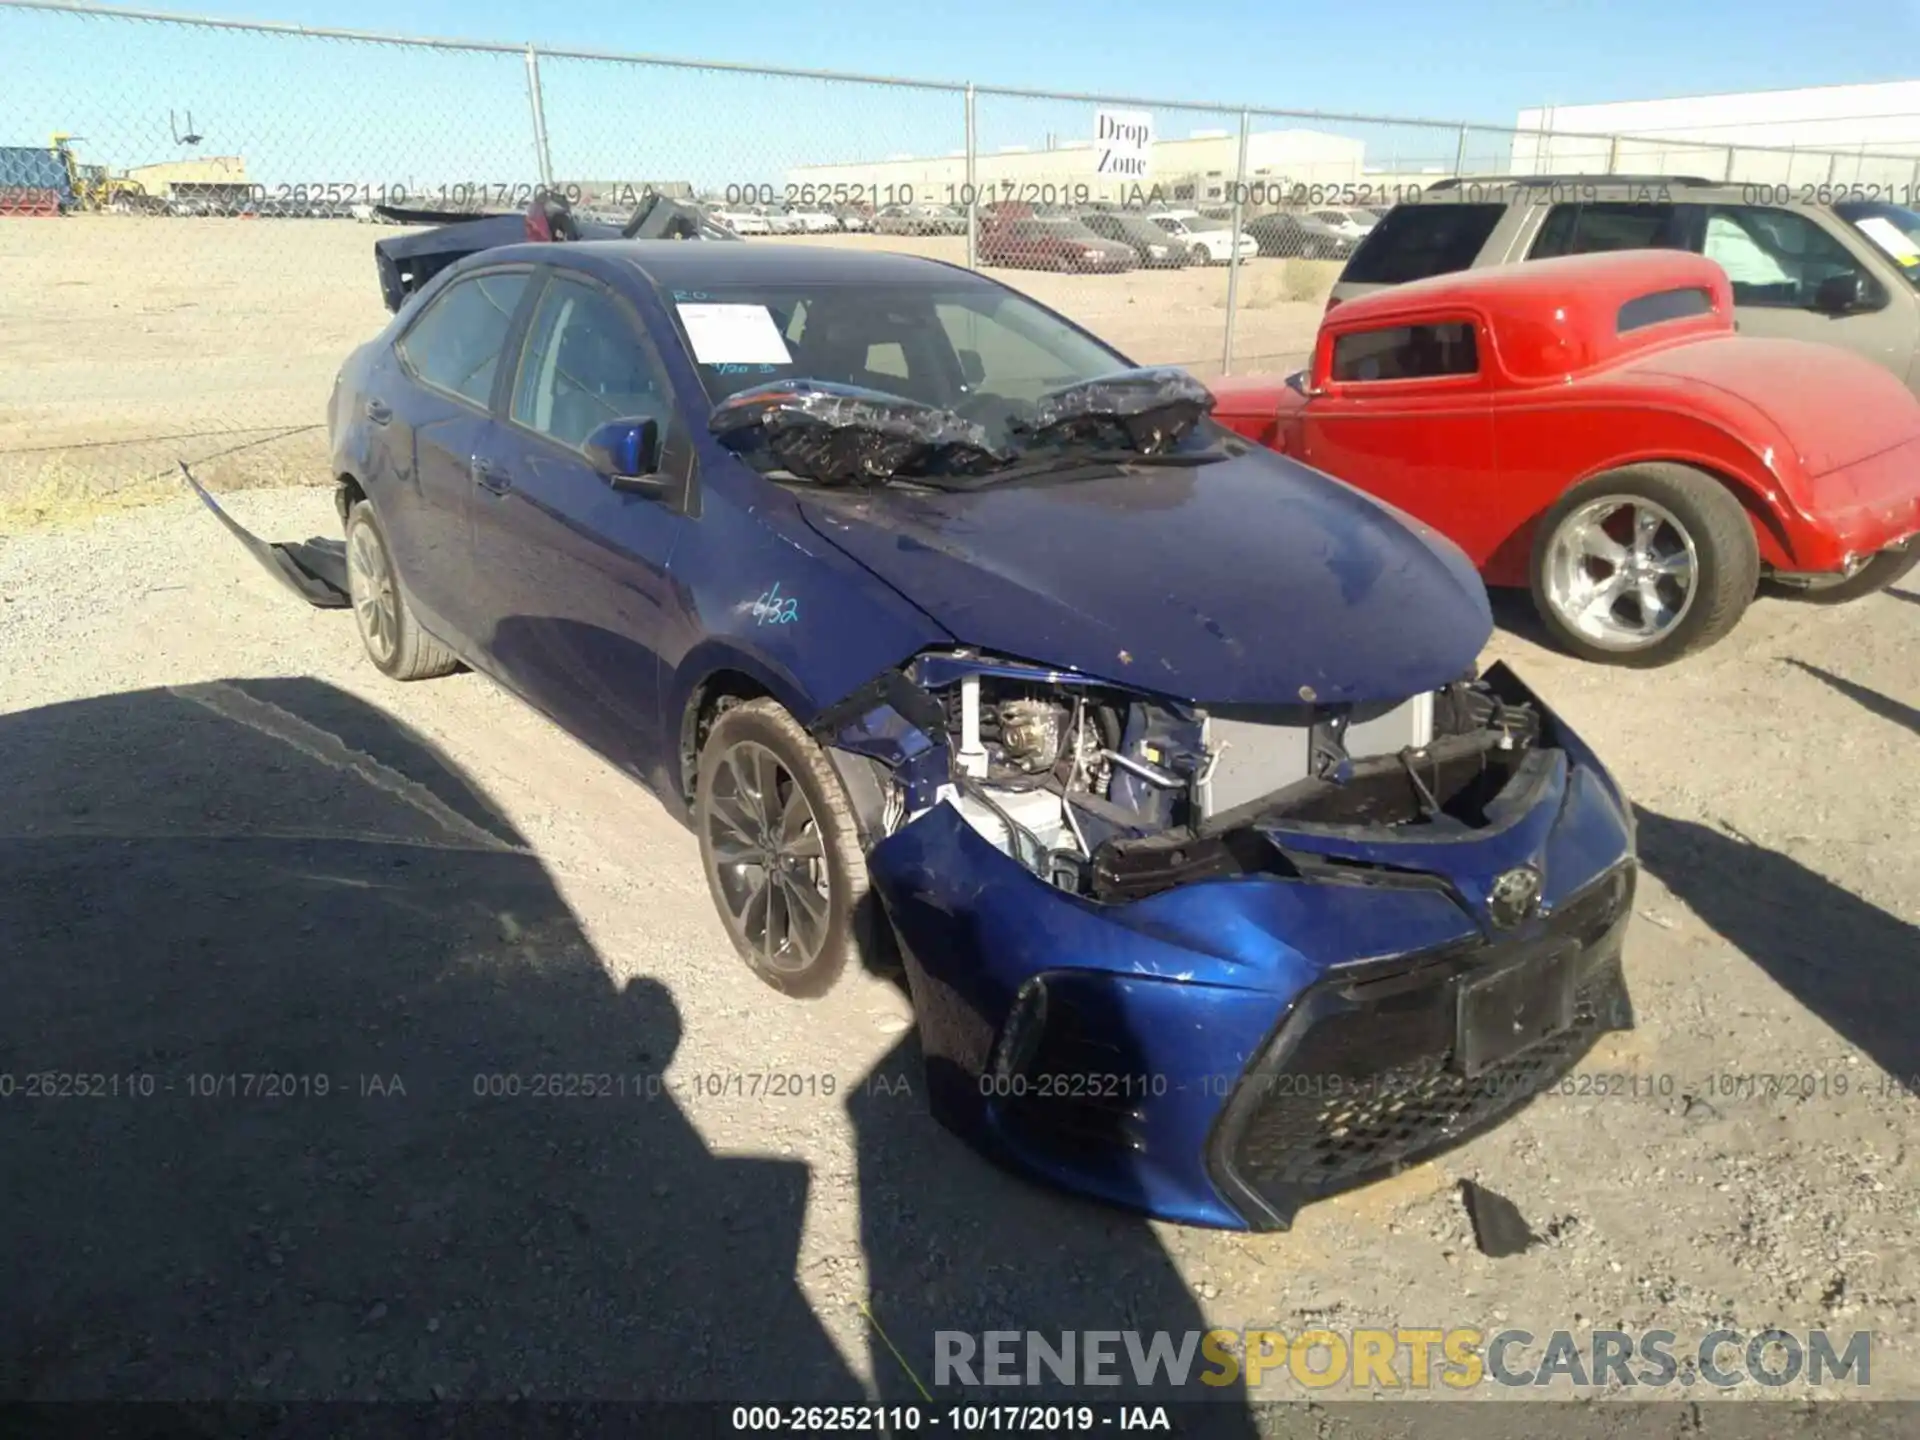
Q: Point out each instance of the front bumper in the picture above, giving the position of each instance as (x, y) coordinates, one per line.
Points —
(1223, 1052)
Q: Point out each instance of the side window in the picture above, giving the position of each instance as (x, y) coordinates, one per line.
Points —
(1774, 257)
(455, 345)
(584, 365)
(1590, 229)
(1407, 352)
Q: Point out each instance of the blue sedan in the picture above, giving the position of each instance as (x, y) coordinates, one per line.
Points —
(1220, 879)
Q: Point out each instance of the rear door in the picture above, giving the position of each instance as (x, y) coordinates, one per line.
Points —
(1403, 412)
(577, 571)
(434, 401)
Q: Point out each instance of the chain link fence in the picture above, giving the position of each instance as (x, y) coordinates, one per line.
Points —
(186, 207)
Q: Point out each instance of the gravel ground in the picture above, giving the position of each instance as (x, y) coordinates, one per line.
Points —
(234, 849)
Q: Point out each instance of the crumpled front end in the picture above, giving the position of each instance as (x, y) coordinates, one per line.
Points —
(1146, 973)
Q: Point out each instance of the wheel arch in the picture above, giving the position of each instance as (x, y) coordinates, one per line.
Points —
(713, 677)
(1510, 562)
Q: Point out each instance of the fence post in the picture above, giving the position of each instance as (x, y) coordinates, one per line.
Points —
(973, 195)
(542, 155)
(1233, 254)
(1833, 164)
(1613, 155)
(1726, 175)
(1913, 191)
(1460, 153)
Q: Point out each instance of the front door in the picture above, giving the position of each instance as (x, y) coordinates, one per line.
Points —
(1402, 412)
(579, 570)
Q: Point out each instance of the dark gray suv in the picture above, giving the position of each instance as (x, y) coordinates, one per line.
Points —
(1807, 262)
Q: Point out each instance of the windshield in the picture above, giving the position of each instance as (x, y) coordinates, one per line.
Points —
(1894, 228)
(1070, 229)
(982, 352)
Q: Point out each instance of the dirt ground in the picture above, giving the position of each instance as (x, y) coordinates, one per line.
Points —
(234, 850)
(134, 341)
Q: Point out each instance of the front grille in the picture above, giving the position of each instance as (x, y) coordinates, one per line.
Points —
(1361, 1082)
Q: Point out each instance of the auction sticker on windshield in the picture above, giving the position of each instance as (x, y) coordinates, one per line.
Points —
(734, 335)
(1890, 238)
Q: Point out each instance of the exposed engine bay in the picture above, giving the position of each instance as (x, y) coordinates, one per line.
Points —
(1112, 796)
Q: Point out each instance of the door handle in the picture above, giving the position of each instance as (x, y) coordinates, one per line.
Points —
(378, 412)
(490, 479)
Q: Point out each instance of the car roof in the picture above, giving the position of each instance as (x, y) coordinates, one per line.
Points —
(684, 265)
(1558, 316)
(1602, 281)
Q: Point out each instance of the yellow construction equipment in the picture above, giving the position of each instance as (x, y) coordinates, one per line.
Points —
(93, 188)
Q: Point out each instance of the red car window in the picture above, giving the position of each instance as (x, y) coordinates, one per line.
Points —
(1406, 352)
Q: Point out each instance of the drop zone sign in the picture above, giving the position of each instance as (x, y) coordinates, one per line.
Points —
(1123, 143)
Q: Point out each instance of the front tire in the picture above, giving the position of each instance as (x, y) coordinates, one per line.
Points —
(1643, 565)
(394, 641)
(781, 850)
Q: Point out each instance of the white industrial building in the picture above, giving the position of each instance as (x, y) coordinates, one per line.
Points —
(1828, 134)
(1199, 167)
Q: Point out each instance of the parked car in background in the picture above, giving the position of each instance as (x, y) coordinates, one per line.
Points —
(815, 222)
(743, 221)
(1799, 271)
(920, 219)
(852, 218)
(1205, 242)
(1151, 246)
(983, 677)
(1592, 428)
(781, 221)
(1298, 236)
(1051, 242)
(1352, 222)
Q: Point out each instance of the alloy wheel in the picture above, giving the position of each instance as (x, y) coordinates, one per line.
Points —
(371, 588)
(768, 858)
(1621, 572)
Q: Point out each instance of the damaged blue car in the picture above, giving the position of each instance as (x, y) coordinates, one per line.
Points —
(1159, 763)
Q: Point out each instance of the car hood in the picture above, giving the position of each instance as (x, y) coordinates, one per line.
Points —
(1249, 581)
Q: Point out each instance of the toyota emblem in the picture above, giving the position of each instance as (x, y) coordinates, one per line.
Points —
(1514, 896)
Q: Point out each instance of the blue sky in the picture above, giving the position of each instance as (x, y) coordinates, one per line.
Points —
(327, 112)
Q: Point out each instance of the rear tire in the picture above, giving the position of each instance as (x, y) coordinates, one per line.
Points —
(781, 850)
(394, 641)
(1876, 575)
(1674, 579)
(1200, 255)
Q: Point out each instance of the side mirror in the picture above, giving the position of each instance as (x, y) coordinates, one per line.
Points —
(1844, 294)
(1301, 383)
(972, 369)
(626, 454)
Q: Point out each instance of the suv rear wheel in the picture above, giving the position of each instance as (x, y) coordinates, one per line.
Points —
(1643, 565)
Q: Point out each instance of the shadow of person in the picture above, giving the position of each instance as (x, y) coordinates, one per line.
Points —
(1870, 700)
(1848, 961)
(954, 1244)
(315, 1088)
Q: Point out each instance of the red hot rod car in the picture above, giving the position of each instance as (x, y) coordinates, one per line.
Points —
(1592, 428)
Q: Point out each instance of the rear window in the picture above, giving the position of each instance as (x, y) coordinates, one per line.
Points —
(1663, 305)
(1416, 241)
